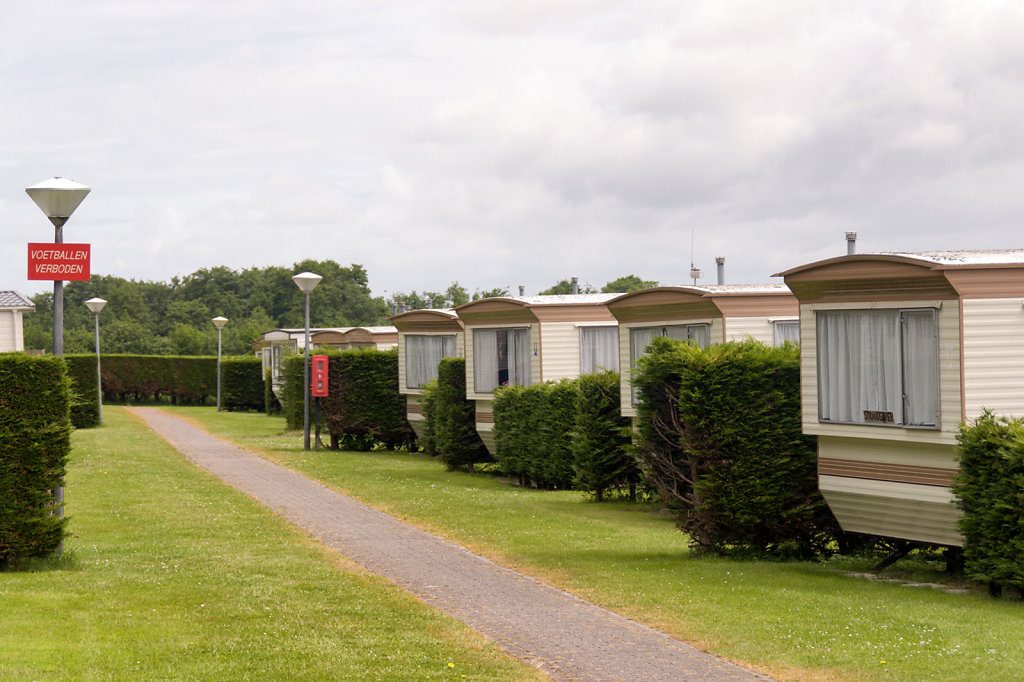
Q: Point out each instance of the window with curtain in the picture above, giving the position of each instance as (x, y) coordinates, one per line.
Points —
(641, 337)
(501, 357)
(786, 330)
(422, 353)
(599, 349)
(878, 367)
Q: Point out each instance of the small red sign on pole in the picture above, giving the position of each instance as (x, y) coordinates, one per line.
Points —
(318, 379)
(59, 262)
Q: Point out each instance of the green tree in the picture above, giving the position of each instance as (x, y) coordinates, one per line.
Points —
(627, 284)
(565, 287)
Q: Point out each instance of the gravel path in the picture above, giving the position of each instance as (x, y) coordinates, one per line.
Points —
(562, 635)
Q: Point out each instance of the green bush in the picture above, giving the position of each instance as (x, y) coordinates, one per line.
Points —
(991, 495)
(85, 410)
(428, 403)
(35, 439)
(242, 383)
(364, 408)
(292, 375)
(451, 418)
(719, 437)
(601, 438)
(533, 432)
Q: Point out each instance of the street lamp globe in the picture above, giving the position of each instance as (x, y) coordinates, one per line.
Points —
(306, 281)
(95, 305)
(58, 198)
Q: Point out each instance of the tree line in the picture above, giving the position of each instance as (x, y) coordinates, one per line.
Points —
(174, 318)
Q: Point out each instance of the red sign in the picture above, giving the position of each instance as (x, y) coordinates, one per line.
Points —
(318, 380)
(59, 262)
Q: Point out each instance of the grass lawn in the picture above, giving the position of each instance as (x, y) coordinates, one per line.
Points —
(170, 574)
(794, 620)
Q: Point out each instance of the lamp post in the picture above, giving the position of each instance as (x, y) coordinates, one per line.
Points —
(58, 198)
(219, 323)
(306, 281)
(96, 305)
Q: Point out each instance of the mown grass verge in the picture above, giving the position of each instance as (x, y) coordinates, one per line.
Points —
(171, 574)
(795, 620)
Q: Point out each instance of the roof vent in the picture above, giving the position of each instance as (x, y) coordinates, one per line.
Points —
(851, 243)
(720, 262)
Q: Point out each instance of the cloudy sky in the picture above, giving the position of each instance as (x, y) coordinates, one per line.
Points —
(506, 143)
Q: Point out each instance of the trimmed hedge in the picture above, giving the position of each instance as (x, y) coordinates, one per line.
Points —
(533, 432)
(450, 419)
(363, 407)
(991, 495)
(35, 439)
(241, 380)
(601, 456)
(291, 391)
(720, 438)
(85, 409)
(271, 405)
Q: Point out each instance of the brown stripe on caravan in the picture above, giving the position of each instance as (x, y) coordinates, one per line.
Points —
(990, 282)
(880, 471)
(783, 303)
(413, 408)
(484, 417)
(870, 277)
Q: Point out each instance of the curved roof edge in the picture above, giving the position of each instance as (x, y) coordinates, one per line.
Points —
(932, 260)
(709, 291)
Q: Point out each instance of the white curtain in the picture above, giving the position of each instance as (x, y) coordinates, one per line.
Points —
(859, 364)
(518, 357)
(485, 360)
(786, 330)
(920, 367)
(599, 349)
(422, 353)
(640, 338)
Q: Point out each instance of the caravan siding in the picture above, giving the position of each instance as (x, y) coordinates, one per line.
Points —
(993, 356)
(743, 328)
(898, 489)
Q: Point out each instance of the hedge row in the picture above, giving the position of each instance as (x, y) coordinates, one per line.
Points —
(991, 495)
(241, 386)
(450, 419)
(720, 438)
(145, 378)
(363, 408)
(35, 439)
(565, 434)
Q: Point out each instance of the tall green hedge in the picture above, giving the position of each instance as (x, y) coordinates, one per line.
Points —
(364, 407)
(85, 410)
(720, 438)
(292, 376)
(451, 418)
(241, 380)
(991, 494)
(35, 439)
(271, 405)
(533, 432)
(601, 455)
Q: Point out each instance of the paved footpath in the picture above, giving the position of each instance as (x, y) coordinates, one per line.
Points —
(558, 633)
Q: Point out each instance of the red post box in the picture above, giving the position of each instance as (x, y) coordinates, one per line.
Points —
(318, 377)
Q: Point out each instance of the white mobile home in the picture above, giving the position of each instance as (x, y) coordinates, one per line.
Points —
(523, 340)
(897, 350)
(12, 306)
(703, 314)
(424, 337)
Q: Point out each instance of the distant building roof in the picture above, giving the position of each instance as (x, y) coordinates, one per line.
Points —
(12, 299)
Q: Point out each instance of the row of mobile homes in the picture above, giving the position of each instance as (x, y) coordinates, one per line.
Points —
(897, 349)
(424, 338)
(12, 306)
(276, 344)
(702, 314)
(524, 340)
(348, 338)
